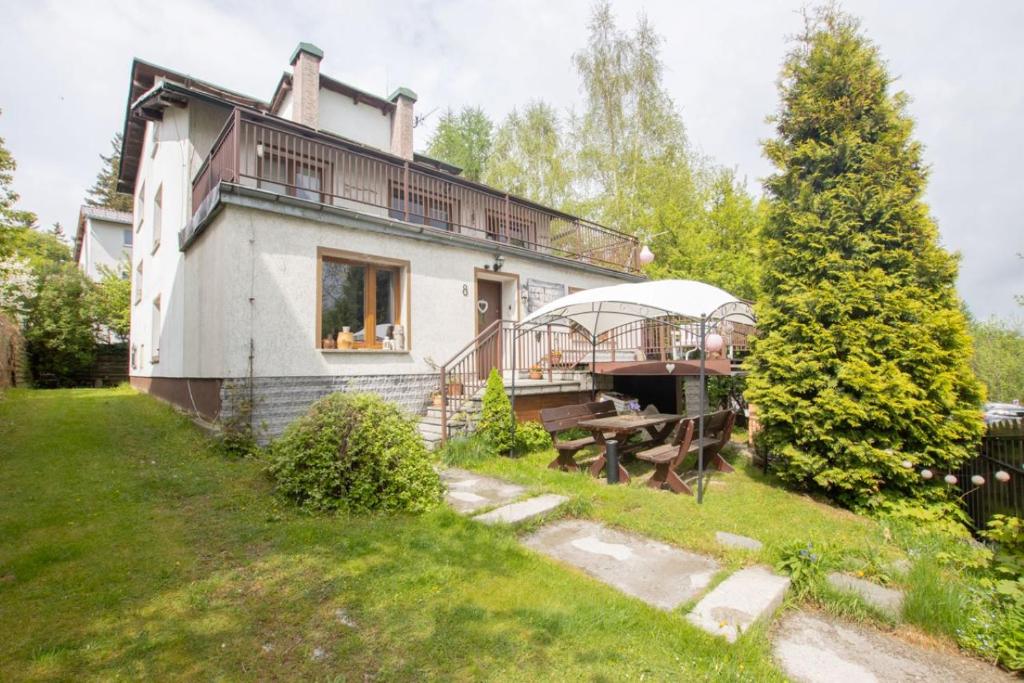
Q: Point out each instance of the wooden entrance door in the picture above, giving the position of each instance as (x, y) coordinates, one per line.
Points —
(488, 310)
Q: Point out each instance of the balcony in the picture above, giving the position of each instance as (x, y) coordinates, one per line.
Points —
(267, 153)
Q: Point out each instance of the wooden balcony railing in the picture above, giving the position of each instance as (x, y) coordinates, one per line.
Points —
(267, 153)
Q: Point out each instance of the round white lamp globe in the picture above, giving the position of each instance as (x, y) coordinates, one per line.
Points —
(1002, 476)
(646, 256)
(714, 343)
(950, 479)
(977, 480)
(926, 474)
(907, 464)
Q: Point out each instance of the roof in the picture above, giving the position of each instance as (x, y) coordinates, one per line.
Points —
(100, 213)
(308, 48)
(284, 85)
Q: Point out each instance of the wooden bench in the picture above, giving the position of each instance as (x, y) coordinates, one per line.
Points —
(668, 457)
(558, 420)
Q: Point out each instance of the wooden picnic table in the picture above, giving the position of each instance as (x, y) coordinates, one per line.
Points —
(657, 425)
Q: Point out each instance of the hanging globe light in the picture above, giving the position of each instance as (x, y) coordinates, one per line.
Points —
(977, 480)
(1002, 476)
(714, 343)
(926, 474)
(646, 256)
(950, 479)
(907, 464)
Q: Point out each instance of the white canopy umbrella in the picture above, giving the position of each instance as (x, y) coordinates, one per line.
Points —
(599, 310)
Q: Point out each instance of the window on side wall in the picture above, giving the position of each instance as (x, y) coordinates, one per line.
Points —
(140, 207)
(154, 140)
(154, 342)
(362, 297)
(138, 282)
(126, 238)
(424, 208)
(158, 216)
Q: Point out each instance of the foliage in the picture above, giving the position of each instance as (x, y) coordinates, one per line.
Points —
(9, 216)
(531, 437)
(803, 564)
(726, 392)
(862, 357)
(530, 157)
(495, 426)
(237, 438)
(463, 451)
(59, 327)
(17, 285)
(354, 453)
(999, 357)
(112, 300)
(463, 139)
(104, 191)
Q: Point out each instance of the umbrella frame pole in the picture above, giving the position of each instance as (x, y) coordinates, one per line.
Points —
(700, 420)
(593, 357)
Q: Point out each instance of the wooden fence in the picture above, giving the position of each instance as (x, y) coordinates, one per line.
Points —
(1000, 466)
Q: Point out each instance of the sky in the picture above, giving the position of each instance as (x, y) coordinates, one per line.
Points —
(64, 79)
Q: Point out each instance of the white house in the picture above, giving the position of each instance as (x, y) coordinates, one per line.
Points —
(103, 239)
(290, 248)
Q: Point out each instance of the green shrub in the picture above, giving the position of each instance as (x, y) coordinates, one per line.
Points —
(354, 453)
(804, 565)
(531, 436)
(464, 450)
(495, 425)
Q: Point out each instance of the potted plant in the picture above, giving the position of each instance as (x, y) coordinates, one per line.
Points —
(436, 399)
(535, 372)
(455, 387)
(327, 343)
(556, 356)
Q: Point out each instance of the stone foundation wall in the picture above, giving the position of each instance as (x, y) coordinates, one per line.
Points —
(279, 400)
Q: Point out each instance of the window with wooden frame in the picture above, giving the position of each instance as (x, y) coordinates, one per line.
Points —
(425, 208)
(297, 175)
(520, 232)
(358, 296)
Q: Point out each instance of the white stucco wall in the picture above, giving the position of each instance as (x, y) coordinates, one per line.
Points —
(103, 245)
(271, 258)
(359, 122)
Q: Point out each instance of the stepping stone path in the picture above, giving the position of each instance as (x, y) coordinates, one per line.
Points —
(739, 601)
(813, 649)
(883, 599)
(469, 492)
(522, 511)
(657, 573)
(736, 541)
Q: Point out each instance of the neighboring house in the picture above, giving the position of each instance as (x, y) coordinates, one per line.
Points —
(103, 240)
(265, 232)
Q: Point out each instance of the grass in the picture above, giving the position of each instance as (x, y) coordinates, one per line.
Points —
(130, 548)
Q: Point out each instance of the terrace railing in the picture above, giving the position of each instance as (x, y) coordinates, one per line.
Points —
(267, 153)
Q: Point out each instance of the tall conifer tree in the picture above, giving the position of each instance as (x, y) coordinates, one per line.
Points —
(862, 366)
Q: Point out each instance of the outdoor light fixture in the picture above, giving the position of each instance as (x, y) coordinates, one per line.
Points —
(1002, 476)
(950, 479)
(714, 343)
(907, 464)
(977, 480)
(259, 149)
(646, 256)
(926, 474)
(499, 261)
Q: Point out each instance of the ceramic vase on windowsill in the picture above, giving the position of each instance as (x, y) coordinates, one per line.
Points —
(327, 343)
(345, 338)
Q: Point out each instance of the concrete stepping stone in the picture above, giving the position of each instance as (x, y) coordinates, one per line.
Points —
(737, 541)
(658, 574)
(813, 649)
(881, 598)
(739, 601)
(468, 492)
(523, 510)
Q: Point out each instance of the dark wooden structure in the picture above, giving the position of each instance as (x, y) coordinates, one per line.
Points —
(667, 458)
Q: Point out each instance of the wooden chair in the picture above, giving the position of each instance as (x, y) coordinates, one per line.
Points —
(558, 420)
(668, 457)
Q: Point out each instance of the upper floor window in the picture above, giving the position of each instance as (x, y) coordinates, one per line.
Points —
(360, 298)
(519, 231)
(126, 237)
(154, 140)
(140, 207)
(158, 215)
(286, 172)
(424, 208)
(154, 342)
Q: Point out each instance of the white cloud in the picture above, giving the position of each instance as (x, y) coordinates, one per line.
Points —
(65, 79)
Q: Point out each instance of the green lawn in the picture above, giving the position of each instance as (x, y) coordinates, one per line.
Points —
(130, 548)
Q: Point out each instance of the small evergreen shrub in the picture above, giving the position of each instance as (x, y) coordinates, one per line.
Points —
(495, 425)
(354, 453)
(531, 437)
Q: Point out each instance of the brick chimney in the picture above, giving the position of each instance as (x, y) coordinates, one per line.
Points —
(306, 84)
(402, 122)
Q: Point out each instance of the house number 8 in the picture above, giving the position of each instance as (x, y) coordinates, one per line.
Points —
(465, 290)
